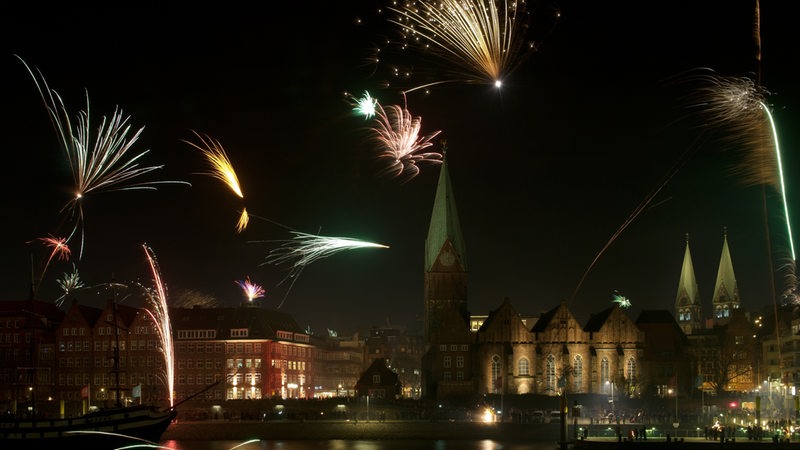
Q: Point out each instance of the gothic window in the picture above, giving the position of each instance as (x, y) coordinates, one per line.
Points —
(495, 371)
(632, 371)
(578, 373)
(604, 379)
(523, 367)
(550, 374)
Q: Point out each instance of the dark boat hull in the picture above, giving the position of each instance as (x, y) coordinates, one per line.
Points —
(102, 429)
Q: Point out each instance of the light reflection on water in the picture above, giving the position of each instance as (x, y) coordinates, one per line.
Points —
(342, 444)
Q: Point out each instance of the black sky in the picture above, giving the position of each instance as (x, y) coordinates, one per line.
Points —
(545, 172)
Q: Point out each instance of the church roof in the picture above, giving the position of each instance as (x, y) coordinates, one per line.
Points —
(444, 223)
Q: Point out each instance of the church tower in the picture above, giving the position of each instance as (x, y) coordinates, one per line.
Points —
(687, 303)
(447, 361)
(726, 291)
(445, 261)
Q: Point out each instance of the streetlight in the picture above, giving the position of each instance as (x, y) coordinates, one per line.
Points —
(612, 394)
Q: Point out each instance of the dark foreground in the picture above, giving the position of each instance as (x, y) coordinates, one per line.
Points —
(688, 444)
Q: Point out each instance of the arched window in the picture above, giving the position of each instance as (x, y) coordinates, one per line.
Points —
(523, 367)
(604, 378)
(550, 375)
(577, 373)
(496, 373)
(632, 371)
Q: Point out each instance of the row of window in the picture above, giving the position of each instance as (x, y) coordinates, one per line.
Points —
(454, 347)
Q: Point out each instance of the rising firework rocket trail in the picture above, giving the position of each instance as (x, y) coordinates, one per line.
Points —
(158, 311)
(99, 163)
(221, 169)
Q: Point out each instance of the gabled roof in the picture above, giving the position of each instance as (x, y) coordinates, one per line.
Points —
(444, 223)
(545, 319)
(596, 321)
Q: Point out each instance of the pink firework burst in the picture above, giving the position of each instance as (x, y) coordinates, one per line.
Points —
(398, 132)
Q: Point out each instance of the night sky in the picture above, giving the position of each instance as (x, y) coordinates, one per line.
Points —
(550, 172)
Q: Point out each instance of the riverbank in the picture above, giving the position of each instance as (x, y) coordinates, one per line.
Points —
(362, 430)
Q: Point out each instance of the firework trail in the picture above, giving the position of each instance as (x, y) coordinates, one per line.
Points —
(99, 163)
(397, 132)
(250, 289)
(58, 249)
(475, 41)
(643, 206)
(221, 169)
(304, 249)
(156, 307)
(69, 283)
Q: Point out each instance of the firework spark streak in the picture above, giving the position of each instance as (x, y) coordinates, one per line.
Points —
(485, 39)
(250, 289)
(98, 163)
(397, 132)
(221, 169)
(158, 311)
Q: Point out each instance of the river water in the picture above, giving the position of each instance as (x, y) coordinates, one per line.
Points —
(336, 444)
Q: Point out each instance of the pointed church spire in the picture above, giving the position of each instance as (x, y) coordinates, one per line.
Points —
(726, 291)
(687, 303)
(444, 223)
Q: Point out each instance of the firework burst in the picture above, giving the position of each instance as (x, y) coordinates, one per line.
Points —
(621, 300)
(251, 290)
(99, 161)
(397, 132)
(59, 250)
(221, 169)
(473, 41)
(69, 283)
(364, 106)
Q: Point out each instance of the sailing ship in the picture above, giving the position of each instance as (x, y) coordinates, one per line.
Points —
(107, 428)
